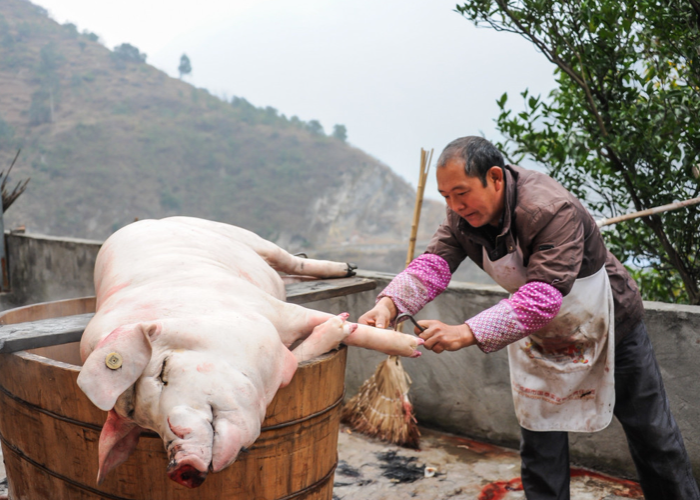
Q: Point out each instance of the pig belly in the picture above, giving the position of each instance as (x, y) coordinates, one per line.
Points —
(181, 250)
(159, 269)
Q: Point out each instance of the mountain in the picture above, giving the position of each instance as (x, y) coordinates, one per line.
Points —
(106, 139)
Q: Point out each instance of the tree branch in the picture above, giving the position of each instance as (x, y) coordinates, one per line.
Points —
(552, 56)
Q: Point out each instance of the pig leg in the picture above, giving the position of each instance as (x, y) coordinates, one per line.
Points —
(281, 260)
(323, 332)
(386, 341)
(325, 337)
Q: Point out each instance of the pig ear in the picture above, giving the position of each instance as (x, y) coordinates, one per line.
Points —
(116, 363)
(118, 440)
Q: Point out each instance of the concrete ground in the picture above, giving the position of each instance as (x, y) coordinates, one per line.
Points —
(464, 470)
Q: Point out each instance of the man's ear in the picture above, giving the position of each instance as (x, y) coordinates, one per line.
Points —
(117, 362)
(495, 173)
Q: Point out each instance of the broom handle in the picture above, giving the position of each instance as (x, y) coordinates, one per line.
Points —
(649, 211)
(425, 159)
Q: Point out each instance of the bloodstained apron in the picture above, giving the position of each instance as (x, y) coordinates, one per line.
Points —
(562, 375)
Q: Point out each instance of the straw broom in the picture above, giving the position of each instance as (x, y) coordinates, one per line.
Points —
(382, 408)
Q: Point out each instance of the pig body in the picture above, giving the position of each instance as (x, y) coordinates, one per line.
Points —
(191, 339)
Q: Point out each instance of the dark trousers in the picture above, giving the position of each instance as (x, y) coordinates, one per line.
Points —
(642, 408)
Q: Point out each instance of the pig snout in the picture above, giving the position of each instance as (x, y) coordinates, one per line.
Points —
(190, 437)
(186, 474)
(189, 463)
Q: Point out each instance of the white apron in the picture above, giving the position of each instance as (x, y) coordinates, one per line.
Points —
(562, 375)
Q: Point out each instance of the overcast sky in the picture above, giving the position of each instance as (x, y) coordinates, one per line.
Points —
(400, 75)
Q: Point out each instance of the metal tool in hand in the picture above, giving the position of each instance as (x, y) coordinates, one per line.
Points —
(403, 317)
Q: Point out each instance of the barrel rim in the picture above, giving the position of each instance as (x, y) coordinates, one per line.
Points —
(39, 305)
(69, 366)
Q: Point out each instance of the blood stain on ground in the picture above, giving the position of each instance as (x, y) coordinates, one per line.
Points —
(499, 489)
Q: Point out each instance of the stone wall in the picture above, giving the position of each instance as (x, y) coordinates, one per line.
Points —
(468, 392)
(44, 268)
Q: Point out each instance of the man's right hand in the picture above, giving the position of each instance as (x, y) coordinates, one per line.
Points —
(380, 315)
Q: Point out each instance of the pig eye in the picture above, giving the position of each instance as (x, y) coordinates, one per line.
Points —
(163, 379)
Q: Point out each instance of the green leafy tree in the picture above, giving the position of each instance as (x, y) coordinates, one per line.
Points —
(90, 36)
(71, 30)
(185, 67)
(340, 132)
(49, 60)
(315, 127)
(6, 38)
(40, 109)
(128, 53)
(621, 129)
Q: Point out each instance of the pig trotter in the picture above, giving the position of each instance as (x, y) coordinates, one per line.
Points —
(351, 269)
(389, 342)
(325, 337)
(186, 475)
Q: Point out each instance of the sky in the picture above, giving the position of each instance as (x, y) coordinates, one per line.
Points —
(400, 75)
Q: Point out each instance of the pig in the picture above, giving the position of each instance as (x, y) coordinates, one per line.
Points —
(191, 339)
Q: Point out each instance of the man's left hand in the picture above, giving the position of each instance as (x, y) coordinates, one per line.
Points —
(441, 337)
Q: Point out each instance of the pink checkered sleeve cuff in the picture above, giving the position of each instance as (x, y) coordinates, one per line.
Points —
(532, 307)
(424, 279)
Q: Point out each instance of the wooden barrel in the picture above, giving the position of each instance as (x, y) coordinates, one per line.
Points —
(50, 431)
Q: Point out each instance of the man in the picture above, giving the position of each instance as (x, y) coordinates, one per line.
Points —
(573, 326)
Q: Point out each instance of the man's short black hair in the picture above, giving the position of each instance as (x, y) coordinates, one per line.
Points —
(478, 155)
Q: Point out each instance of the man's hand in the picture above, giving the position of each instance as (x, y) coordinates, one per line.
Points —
(380, 315)
(441, 337)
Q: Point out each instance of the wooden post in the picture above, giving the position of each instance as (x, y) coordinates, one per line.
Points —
(647, 212)
(425, 159)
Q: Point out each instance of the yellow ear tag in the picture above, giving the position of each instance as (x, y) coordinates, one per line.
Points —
(113, 360)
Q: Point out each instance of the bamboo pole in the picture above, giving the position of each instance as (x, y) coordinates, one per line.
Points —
(425, 159)
(649, 211)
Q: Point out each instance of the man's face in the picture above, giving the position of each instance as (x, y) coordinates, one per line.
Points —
(477, 204)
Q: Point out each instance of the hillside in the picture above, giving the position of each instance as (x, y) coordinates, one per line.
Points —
(106, 138)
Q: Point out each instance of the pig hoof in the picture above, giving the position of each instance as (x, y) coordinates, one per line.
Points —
(420, 341)
(351, 269)
(344, 316)
(416, 354)
(187, 475)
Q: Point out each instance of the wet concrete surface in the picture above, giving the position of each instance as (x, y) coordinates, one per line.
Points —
(369, 469)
